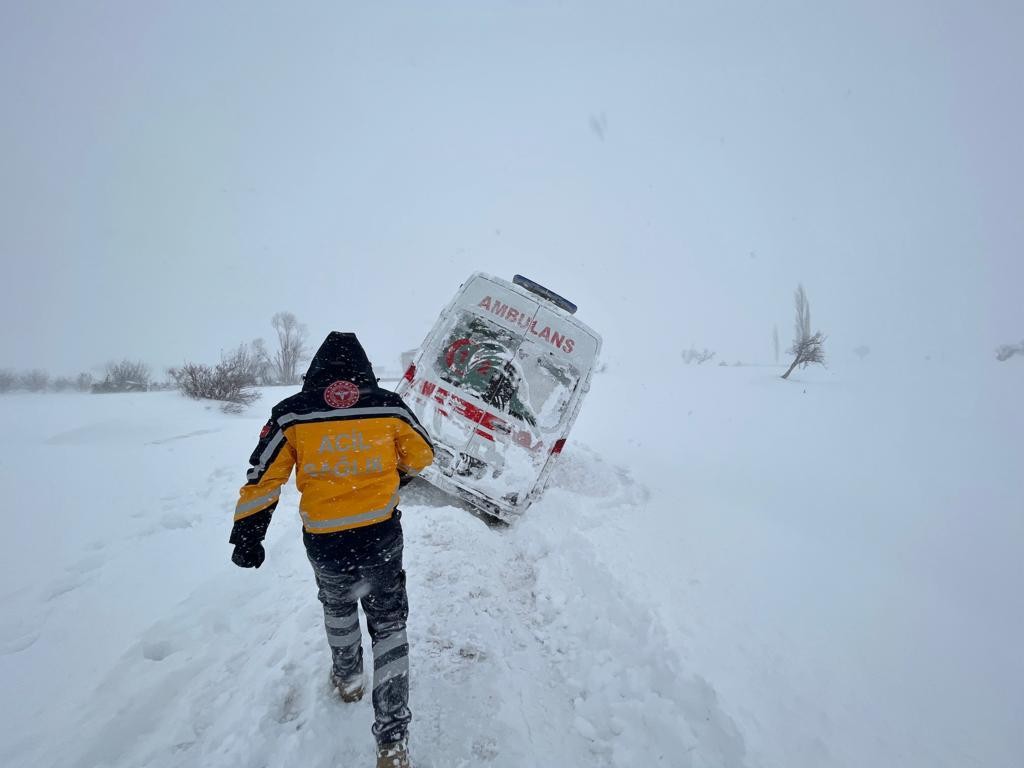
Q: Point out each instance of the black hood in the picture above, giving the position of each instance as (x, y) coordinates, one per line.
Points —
(340, 357)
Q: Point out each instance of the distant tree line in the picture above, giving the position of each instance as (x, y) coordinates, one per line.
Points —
(38, 380)
(231, 381)
(123, 376)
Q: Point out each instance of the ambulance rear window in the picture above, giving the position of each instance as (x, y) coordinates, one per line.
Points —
(515, 376)
(474, 356)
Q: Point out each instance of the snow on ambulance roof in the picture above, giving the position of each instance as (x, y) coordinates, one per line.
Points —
(508, 305)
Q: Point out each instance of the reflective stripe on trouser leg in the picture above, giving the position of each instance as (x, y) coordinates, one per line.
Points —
(343, 631)
(346, 641)
(341, 620)
(391, 691)
(387, 609)
(390, 658)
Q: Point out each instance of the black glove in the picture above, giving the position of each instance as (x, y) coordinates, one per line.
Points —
(248, 555)
(404, 478)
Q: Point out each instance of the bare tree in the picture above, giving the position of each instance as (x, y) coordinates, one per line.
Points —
(35, 380)
(802, 322)
(263, 366)
(775, 342)
(8, 380)
(63, 384)
(807, 347)
(291, 347)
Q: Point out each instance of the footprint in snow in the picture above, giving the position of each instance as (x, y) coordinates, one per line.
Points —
(18, 643)
(157, 650)
(187, 435)
(75, 577)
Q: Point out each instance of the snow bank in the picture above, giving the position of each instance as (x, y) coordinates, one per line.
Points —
(838, 555)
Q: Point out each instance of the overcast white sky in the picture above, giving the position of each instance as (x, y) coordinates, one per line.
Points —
(172, 174)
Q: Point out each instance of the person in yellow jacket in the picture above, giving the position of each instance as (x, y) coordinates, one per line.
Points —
(350, 443)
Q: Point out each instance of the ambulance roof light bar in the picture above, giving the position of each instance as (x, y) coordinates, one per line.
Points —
(545, 293)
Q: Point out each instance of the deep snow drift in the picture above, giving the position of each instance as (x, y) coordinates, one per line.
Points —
(727, 570)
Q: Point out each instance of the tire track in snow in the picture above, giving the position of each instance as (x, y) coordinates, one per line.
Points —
(584, 673)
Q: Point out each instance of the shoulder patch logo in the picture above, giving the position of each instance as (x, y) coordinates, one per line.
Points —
(265, 431)
(341, 394)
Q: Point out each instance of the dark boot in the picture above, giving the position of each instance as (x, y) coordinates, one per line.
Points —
(393, 755)
(350, 690)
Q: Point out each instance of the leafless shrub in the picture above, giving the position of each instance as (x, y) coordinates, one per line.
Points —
(807, 348)
(63, 384)
(195, 380)
(693, 355)
(229, 382)
(251, 363)
(8, 380)
(84, 382)
(1006, 351)
(35, 380)
(125, 376)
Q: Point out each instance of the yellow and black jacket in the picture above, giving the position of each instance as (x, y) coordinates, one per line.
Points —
(347, 439)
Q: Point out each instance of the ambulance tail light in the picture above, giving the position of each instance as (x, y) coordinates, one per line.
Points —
(558, 446)
(410, 373)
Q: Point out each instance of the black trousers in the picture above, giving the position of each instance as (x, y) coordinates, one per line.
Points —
(363, 566)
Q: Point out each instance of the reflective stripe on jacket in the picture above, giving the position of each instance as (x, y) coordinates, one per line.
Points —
(346, 463)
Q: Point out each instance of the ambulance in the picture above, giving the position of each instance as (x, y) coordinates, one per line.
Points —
(498, 383)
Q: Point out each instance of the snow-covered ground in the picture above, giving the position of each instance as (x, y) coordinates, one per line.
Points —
(728, 570)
